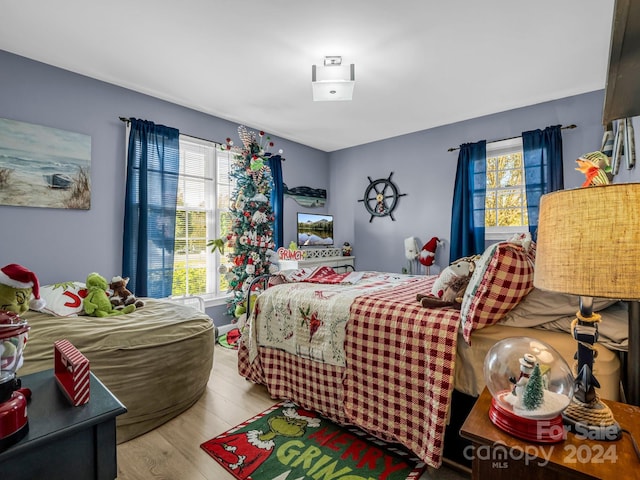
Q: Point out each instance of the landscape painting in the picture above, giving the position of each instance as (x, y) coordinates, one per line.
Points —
(44, 167)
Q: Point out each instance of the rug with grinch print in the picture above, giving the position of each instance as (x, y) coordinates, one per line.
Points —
(287, 442)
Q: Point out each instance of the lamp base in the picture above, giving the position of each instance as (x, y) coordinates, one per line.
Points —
(529, 429)
(592, 420)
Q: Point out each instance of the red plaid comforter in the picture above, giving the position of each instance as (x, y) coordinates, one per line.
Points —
(399, 375)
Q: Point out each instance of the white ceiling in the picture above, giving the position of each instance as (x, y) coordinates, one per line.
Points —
(419, 63)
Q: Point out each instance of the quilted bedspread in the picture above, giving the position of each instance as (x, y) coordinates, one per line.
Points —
(397, 377)
(309, 319)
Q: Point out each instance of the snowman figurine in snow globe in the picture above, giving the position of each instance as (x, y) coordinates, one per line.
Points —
(531, 384)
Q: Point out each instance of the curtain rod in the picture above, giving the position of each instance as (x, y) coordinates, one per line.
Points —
(568, 127)
(128, 120)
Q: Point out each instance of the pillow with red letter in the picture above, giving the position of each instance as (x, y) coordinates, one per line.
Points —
(63, 299)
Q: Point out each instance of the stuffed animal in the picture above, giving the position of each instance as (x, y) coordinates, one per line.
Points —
(17, 286)
(522, 239)
(241, 308)
(451, 297)
(428, 252)
(463, 267)
(448, 289)
(122, 296)
(97, 303)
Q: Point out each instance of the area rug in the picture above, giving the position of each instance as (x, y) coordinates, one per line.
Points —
(287, 442)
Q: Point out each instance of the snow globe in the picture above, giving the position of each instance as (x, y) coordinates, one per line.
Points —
(530, 384)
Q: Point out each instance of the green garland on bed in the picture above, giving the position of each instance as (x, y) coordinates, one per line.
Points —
(251, 229)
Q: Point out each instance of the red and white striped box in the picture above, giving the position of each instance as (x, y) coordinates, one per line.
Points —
(71, 370)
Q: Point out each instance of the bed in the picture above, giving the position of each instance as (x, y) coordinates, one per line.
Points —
(156, 360)
(367, 353)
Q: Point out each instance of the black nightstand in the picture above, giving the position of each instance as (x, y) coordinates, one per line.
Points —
(64, 441)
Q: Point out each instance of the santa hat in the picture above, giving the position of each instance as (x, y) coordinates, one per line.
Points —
(17, 276)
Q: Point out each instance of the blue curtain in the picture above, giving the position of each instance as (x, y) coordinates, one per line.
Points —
(542, 168)
(277, 199)
(467, 213)
(153, 162)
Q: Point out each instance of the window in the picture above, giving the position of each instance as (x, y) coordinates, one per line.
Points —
(506, 200)
(204, 189)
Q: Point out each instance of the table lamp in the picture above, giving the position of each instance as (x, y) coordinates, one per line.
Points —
(589, 245)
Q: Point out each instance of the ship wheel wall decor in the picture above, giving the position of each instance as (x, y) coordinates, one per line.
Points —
(381, 197)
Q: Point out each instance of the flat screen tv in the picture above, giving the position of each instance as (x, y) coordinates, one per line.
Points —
(315, 230)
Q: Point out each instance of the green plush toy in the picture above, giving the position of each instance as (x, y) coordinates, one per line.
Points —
(97, 303)
(17, 287)
(240, 310)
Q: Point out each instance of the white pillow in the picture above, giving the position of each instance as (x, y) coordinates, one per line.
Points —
(63, 299)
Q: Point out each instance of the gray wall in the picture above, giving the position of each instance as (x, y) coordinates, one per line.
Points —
(425, 171)
(61, 245)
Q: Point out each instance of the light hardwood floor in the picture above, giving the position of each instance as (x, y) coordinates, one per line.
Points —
(172, 451)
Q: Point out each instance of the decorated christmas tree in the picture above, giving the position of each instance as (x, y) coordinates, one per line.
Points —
(252, 216)
(534, 391)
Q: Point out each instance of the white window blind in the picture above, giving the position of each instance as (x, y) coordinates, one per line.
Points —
(204, 188)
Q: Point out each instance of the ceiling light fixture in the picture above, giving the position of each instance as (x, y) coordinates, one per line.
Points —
(333, 81)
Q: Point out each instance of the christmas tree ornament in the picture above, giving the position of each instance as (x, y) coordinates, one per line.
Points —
(251, 268)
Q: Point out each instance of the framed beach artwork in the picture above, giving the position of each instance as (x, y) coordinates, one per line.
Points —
(44, 167)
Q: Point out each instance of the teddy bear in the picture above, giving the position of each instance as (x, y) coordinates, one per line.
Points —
(122, 296)
(462, 267)
(17, 287)
(451, 296)
(449, 287)
(97, 303)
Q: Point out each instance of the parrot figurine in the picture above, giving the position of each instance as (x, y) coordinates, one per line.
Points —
(596, 168)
